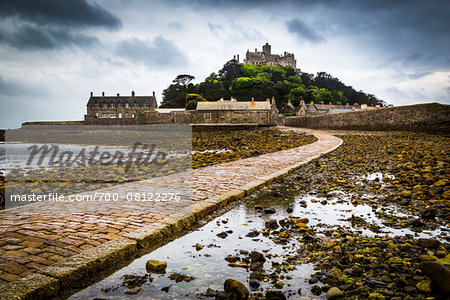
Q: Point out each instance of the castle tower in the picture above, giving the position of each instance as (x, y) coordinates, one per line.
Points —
(267, 50)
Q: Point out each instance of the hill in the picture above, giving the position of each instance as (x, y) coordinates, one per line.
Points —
(244, 81)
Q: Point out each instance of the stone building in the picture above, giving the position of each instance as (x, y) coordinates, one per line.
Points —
(138, 110)
(118, 109)
(223, 112)
(267, 58)
(314, 109)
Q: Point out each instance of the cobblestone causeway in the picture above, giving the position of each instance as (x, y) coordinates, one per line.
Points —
(38, 235)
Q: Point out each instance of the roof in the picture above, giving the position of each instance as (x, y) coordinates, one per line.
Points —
(168, 110)
(137, 100)
(232, 105)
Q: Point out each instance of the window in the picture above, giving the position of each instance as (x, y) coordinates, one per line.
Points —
(207, 116)
(120, 115)
(132, 115)
(104, 115)
(112, 105)
(126, 105)
(96, 115)
(245, 119)
(126, 115)
(105, 105)
(234, 119)
(112, 115)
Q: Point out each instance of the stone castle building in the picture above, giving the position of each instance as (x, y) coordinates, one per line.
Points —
(267, 58)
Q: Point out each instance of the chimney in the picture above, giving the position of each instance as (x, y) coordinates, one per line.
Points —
(238, 57)
(234, 57)
(256, 50)
(132, 94)
(154, 95)
(92, 94)
(103, 94)
(118, 95)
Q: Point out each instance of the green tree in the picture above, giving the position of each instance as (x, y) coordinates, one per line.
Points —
(183, 79)
(192, 100)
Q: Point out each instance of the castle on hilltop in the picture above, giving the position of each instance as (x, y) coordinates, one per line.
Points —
(267, 58)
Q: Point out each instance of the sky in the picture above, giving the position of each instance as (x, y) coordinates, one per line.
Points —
(53, 53)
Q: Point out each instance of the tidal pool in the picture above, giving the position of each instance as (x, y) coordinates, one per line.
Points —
(209, 269)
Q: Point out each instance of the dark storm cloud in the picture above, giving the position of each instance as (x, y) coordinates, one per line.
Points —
(303, 31)
(157, 53)
(52, 24)
(73, 13)
(404, 32)
(29, 38)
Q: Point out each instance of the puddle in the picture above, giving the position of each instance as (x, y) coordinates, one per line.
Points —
(208, 266)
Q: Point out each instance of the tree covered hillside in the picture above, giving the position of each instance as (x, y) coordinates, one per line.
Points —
(244, 81)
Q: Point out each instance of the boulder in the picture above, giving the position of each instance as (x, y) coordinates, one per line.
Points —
(272, 224)
(429, 213)
(274, 295)
(256, 256)
(439, 274)
(428, 243)
(236, 290)
(154, 266)
(334, 293)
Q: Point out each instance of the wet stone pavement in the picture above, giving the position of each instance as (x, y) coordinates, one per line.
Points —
(38, 235)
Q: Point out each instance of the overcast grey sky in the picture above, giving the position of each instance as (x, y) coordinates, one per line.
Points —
(53, 53)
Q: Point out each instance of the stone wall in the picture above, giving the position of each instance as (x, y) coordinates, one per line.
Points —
(431, 117)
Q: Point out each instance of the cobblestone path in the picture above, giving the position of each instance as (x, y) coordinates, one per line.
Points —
(38, 235)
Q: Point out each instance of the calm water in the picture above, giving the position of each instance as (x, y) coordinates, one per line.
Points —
(208, 266)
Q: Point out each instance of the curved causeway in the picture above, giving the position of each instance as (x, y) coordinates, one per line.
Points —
(62, 249)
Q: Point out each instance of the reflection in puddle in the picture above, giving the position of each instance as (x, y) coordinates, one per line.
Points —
(208, 266)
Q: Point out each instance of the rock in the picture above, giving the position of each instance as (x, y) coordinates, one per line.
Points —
(273, 295)
(154, 266)
(257, 266)
(270, 211)
(256, 256)
(313, 280)
(244, 252)
(376, 296)
(424, 286)
(416, 223)
(429, 213)
(210, 292)
(252, 234)
(236, 290)
(198, 247)
(334, 293)
(254, 284)
(289, 210)
(166, 289)
(428, 243)
(316, 290)
(279, 284)
(232, 258)
(272, 224)
(439, 274)
(221, 295)
(133, 291)
(222, 235)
